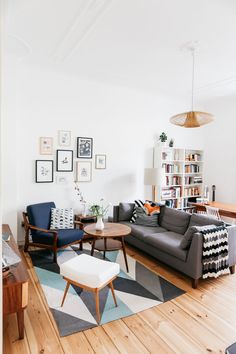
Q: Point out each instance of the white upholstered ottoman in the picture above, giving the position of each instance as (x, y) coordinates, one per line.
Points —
(91, 274)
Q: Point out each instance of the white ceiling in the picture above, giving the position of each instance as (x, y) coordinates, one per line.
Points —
(134, 43)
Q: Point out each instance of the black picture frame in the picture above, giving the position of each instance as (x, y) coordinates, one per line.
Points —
(43, 171)
(84, 147)
(64, 161)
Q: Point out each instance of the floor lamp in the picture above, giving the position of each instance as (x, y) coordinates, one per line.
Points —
(150, 179)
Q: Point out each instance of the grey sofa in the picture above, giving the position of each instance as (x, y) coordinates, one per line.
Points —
(163, 241)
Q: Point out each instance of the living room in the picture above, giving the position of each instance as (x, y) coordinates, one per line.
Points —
(115, 72)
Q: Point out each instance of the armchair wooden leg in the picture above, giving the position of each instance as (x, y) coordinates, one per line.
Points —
(26, 241)
(81, 245)
(54, 256)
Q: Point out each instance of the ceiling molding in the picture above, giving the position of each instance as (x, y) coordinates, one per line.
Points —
(89, 14)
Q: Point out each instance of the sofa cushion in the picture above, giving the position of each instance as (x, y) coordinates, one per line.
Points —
(188, 236)
(141, 232)
(146, 220)
(174, 220)
(125, 211)
(168, 242)
(201, 220)
(137, 203)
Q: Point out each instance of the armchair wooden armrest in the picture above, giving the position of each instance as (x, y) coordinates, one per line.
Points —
(81, 225)
(32, 227)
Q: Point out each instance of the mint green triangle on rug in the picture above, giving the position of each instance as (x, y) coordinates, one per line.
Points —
(111, 312)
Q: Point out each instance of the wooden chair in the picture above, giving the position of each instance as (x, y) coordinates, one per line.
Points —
(213, 212)
(37, 225)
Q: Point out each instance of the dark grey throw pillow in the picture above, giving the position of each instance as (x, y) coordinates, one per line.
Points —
(146, 220)
(125, 211)
(188, 236)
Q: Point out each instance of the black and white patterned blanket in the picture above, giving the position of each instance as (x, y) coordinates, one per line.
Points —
(215, 256)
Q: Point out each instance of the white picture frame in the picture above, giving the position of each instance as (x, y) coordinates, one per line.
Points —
(44, 171)
(100, 161)
(45, 145)
(64, 161)
(84, 171)
(64, 138)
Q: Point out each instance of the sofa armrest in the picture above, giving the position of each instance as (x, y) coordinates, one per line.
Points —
(116, 213)
(194, 258)
(232, 244)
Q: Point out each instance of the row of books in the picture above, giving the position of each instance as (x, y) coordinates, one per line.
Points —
(192, 168)
(171, 168)
(174, 203)
(189, 192)
(193, 157)
(192, 180)
(173, 180)
(171, 193)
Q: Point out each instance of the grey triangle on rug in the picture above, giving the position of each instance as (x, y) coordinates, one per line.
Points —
(138, 290)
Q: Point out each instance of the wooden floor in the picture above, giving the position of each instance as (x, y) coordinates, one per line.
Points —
(200, 321)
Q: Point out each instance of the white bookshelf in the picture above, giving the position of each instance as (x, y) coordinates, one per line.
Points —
(180, 175)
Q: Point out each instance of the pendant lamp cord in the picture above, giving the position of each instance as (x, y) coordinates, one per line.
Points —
(193, 55)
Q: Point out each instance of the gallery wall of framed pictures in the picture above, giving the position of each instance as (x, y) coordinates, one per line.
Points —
(44, 169)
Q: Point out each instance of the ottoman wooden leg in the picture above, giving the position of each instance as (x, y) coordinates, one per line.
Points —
(97, 304)
(113, 293)
(66, 290)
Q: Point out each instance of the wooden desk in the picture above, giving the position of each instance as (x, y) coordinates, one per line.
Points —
(15, 287)
(228, 210)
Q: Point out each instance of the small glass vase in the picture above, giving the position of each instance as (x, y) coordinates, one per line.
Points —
(99, 224)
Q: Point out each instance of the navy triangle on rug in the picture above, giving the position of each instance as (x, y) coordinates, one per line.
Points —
(138, 290)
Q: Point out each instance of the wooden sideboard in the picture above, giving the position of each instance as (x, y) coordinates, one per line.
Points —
(15, 287)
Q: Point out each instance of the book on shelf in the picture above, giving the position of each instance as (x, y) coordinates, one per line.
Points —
(192, 168)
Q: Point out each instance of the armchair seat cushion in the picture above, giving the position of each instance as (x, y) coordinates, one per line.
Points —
(65, 236)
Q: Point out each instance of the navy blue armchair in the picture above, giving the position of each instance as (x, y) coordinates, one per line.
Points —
(37, 224)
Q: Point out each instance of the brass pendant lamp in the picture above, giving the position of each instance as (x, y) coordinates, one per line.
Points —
(192, 119)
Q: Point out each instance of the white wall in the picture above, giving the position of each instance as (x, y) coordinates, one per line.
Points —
(220, 148)
(123, 123)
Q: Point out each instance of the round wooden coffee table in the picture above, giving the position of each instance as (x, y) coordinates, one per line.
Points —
(111, 238)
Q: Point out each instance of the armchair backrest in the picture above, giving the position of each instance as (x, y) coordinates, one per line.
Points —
(40, 214)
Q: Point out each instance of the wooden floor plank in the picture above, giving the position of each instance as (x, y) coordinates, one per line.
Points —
(176, 339)
(76, 344)
(143, 331)
(100, 341)
(11, 342)
(192, 328)
(124, 338)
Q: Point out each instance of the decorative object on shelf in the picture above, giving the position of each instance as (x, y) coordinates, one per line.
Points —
(150, 179)
(163, 138)
(84, 171)
(99, 210)
(192, 119)
(45, 146)
(213, 192)
(44, 171)
(64, 138)
(84, 148)
(100, 162)
(64, 160)
(171, 143)
(81, 198)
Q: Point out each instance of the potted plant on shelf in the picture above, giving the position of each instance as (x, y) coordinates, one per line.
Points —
(163, 138)
(99, 210)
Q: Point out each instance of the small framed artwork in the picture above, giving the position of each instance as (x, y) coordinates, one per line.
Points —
(84, 171)
(44, 171)
(64, 138)
(45, 146)
(84, 148)
(64, 160)
(100, 162)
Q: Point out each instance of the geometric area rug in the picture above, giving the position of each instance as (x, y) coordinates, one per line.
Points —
(135, 291)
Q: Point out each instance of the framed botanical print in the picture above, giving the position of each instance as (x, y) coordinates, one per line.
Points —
(84, 171)
(64, 160)
(100, 162)
(45, 146)
(64, 138)
(84, 148)
(44, 171)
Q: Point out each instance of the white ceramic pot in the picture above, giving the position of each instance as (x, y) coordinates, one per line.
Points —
(99, 224)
